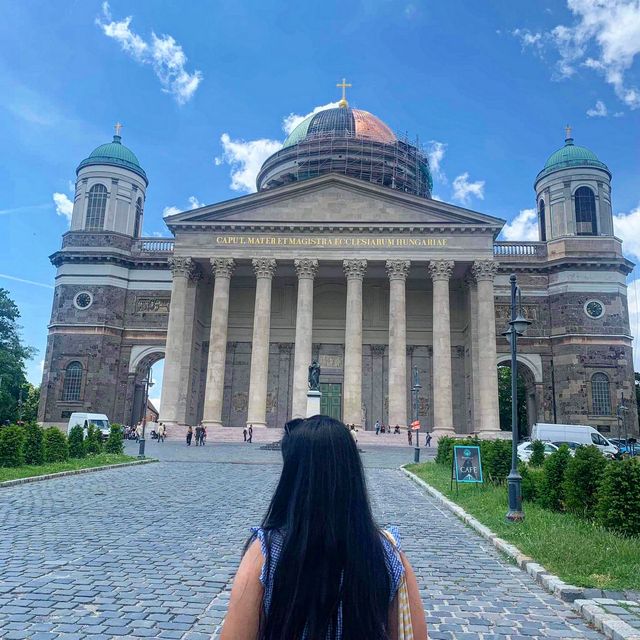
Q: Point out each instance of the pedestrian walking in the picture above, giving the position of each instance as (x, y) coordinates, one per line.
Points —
(250, 434)
(139, 431)
(161, 432)
(427, 439)
(409, 435)
(203, 435)
(377, 427)
(198, 432)
(244, 433)
(306, 577)
(189, 435)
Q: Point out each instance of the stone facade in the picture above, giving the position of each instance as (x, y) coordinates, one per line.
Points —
(369, 281)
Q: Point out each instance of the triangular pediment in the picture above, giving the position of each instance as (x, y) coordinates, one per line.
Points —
(334, 200)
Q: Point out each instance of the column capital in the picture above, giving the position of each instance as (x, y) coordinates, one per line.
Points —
(181, 266)
(469, 279)
(441, 269)
(222, 267)
(306, 267)
(398, 269)
(484, 270)
(264, 267)
(354, 269)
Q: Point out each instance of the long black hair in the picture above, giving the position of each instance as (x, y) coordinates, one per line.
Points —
(332, 555)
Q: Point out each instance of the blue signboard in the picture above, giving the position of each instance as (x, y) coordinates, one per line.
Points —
(467, 466)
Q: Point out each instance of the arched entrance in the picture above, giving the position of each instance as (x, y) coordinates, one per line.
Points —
(143, 366)
(529, 388)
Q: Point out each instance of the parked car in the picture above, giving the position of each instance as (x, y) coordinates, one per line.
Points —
(626, 447)
(99, 420)
(572, 446)
(579, 433)
(525, 449)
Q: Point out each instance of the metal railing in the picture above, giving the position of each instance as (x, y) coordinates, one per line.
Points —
(520, 249)
(154, 245)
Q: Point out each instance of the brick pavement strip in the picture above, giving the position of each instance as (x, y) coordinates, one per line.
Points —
(603, 614)
(150, 551)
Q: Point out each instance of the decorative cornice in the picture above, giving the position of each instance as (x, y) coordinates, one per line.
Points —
(441, 269)
(181, 266)
(264, 267)
(306, 267)
(354, 269)
(398, 269)
(484, 270)
(222, 267)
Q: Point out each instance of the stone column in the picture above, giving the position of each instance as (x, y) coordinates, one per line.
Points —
(222, 268)
(473, 343)
(173, 402)
(306, 268)
(484, 272)
(440, 271)
(257, 411)
(397, 271)
(352, 390)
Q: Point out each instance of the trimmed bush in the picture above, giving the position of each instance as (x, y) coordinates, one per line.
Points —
(552, 484)
(496, 459)
(618, 505)
(584, 474)
(93, 441)
(537, 453)
(76, 442)
(531, 479)
(11, 446)
(56, 448)
(444, 454)
(114, 443)
(33, 444)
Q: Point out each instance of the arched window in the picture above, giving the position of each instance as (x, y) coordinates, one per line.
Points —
(542, 221)
(585, 212)
(72, 382)
(96, 208)
(136, 231)
(600, 398)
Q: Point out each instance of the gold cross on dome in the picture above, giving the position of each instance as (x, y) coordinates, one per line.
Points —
(567, 132)
(118, 127)
(343, 85)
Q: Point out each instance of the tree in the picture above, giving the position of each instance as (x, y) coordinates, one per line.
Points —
(504, 400)
(13, 355)
(30, 402)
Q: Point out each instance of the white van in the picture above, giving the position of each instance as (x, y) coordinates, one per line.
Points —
(579, 433)
(85, 419)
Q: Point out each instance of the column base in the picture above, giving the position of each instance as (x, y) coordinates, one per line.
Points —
(213, 424)
(493, 434)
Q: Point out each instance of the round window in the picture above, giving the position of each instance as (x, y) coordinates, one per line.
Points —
(83, 300)
(594, 308)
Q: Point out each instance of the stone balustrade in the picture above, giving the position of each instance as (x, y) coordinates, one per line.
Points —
(516, 250)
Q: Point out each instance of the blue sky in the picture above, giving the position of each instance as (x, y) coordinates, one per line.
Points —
(488, 87)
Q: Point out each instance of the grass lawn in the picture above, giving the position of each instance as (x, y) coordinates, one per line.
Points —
(578, 552)
(28, 471)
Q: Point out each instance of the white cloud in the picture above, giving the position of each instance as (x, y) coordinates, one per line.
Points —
(605, 37)
(163, 53)
(290, 122)
(194, 203)
(463, 189)
(6, 276)
(598, 111)
(633, 301)
(170, 211)
(245, 159)
(524, 227)
(64, 206)
(435, 154)
(627, 227)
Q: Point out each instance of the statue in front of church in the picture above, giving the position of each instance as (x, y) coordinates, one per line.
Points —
(314, 376)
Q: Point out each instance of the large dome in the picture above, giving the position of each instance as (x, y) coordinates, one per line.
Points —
(342, 122)
(571, 155)
(350, 142)
(115, 154)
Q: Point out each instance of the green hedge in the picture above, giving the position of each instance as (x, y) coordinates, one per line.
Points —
(583, 475)
(537, 453)
(11, 446)
(552, 484)
(93, 441)
(495, 454)
(33, 444)
(115, 443)
(618, 505)
(56, 448)
(76, 442)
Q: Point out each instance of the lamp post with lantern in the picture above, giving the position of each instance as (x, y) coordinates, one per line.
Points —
(148, 383)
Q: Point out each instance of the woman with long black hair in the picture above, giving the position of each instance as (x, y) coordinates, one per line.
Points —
(319, 568)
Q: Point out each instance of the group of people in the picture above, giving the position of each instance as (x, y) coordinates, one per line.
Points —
(200, 433)
(382, 428)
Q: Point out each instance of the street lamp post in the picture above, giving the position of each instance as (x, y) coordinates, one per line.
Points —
(517, 326)
(147, 384)
(415, 389)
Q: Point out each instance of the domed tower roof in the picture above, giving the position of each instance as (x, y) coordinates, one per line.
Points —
(351, 142)
(114, 153)
(571, 155)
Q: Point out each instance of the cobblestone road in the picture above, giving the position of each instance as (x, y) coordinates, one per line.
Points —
(150, 551)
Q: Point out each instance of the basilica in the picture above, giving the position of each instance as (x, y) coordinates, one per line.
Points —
(341, 256)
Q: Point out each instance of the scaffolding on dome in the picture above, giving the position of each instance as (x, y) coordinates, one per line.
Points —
(399, 165)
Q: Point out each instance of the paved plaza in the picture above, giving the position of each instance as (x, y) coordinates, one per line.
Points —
(149, 551)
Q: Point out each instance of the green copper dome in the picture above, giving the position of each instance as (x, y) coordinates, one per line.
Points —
(114, 154)
(571, 155)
